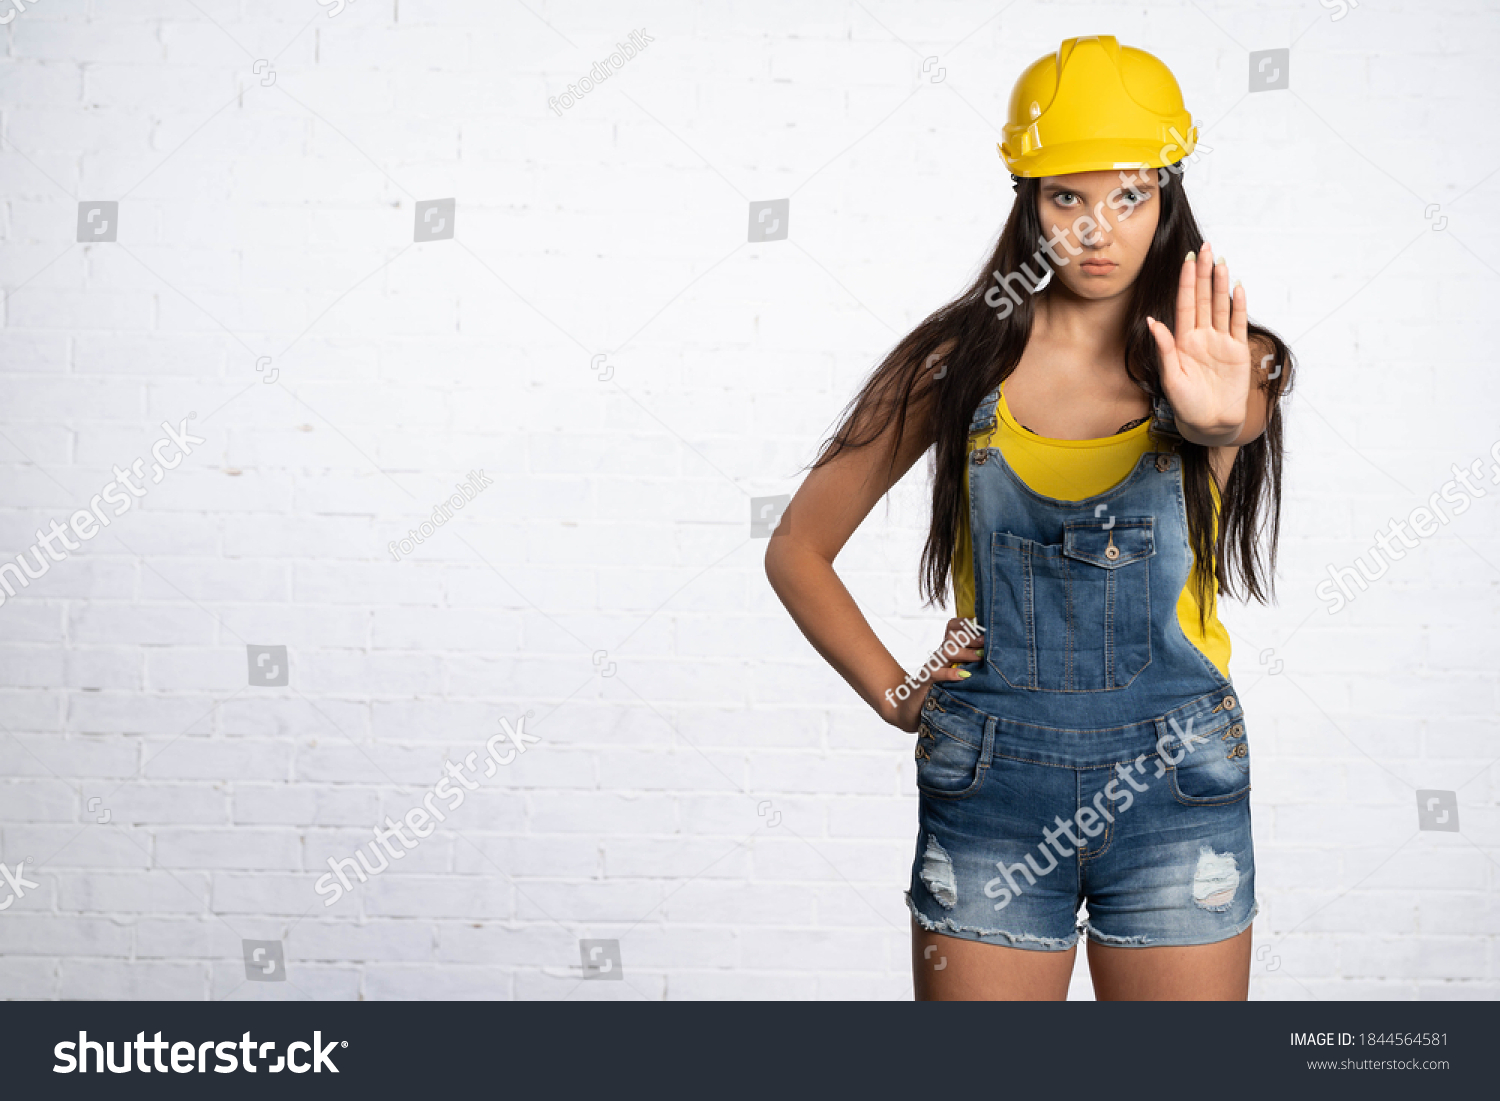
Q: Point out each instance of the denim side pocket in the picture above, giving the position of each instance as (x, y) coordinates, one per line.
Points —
(953, 752)
(1211, 766)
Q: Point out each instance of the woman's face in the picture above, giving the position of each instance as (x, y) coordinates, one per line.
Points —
(1099, 227)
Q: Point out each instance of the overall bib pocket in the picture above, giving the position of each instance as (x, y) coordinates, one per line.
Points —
(1073, 616)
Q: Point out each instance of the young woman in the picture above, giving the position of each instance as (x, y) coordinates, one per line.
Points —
(1105, 433)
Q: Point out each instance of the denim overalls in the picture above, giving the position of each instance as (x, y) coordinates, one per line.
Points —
(1095, 755)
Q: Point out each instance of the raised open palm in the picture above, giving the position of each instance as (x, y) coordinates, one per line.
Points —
(1206, 355)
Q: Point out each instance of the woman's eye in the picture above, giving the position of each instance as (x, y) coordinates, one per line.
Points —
(1065, 195)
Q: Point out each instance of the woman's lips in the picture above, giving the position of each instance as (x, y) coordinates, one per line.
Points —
(1100, 266)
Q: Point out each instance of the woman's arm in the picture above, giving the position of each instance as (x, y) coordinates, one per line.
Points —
(833, 501)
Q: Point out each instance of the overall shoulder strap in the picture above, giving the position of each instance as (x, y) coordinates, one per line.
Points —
(1163, 423)
(983, 421)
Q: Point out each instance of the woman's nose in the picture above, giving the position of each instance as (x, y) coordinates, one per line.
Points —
(1098, 237)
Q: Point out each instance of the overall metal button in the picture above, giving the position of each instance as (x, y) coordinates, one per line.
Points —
(929, 705)
(1163, 463)
(1228, 704)
(1238, 751)
(979, 457)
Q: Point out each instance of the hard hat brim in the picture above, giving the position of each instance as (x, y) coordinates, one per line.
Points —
(1099, 155)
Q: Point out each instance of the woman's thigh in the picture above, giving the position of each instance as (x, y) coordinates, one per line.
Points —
(948, 968)
(1199, 972)
(954, 969)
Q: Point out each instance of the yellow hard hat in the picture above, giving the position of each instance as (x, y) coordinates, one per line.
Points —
(1095, 105)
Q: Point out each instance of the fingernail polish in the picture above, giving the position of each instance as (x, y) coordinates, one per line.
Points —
(979, 652)
(1218, 259)
(1190, 257)
(1235, 287)
(964, 674)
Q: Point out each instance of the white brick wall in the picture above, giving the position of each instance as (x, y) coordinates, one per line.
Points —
(277, 221)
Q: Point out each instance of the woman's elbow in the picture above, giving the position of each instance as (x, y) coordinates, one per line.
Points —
(785, 559)
(775, 560)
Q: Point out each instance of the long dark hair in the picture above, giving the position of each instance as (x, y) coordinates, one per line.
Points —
(978, 348)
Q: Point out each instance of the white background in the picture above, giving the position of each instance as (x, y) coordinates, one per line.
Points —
(722, 803)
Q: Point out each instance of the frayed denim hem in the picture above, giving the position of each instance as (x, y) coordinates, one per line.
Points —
(1002, 937)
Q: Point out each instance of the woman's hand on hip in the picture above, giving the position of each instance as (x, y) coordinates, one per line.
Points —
(959, 646)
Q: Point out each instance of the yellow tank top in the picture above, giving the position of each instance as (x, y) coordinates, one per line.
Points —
(1071, 470)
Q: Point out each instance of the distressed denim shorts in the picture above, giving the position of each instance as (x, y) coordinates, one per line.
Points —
(1147, 823)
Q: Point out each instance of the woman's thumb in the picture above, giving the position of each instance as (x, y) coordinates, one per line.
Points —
(1162, 334)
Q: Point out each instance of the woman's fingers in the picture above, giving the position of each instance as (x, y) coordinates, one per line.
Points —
(1164, 342)
(950, 654)
(1187, 288)
(961, 645)
(947, 673)
(1203, 287)
(1239, 314)
(1221, 295)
